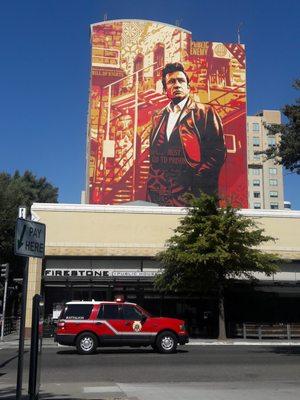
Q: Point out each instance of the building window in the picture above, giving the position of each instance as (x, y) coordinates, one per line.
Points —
(271, 141)
(274, 206)
(255, 127)
(257, 205)
(273, 171)
(256, 171)
(256, 182)
(256, 195)
(273, 193)
(273, 182)
(256, 157)
(256, 141)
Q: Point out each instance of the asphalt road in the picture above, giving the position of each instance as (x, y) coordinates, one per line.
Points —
(194, 372)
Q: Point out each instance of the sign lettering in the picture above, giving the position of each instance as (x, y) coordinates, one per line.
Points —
(97, 273)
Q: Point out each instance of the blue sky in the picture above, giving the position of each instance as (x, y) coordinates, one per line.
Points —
(45, 64)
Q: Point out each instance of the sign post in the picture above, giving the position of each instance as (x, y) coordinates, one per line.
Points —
(29, 242)
(36, 346)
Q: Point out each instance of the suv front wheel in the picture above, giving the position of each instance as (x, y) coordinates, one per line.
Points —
(86, 343)
(166, 342)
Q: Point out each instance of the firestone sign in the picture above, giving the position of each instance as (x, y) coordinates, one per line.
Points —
(54, 272)
(30, 238)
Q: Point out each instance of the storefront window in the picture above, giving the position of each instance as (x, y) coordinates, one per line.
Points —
(256, 141)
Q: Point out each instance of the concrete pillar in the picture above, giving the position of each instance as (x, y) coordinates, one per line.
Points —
(34, 287)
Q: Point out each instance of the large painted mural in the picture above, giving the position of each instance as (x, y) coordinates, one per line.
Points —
(167, 116)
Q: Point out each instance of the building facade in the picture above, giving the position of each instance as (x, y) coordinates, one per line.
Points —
(100, 251)
(265, 177)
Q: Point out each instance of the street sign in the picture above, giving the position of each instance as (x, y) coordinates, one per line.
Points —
(22, 212)
(30, 238)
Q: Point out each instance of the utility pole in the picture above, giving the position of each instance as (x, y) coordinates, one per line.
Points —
(4, 274)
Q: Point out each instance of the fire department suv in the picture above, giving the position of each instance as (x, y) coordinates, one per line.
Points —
(90, 324)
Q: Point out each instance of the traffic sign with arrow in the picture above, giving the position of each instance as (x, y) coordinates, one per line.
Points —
(20, 241)
(30, 238)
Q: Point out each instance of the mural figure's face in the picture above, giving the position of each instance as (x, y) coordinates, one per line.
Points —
(177, 87)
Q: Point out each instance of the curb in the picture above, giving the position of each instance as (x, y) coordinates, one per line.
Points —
(193, 342)
(245, 343)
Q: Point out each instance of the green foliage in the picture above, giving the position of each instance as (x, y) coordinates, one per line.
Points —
(210, 246)
(19, 190)
(287, 152)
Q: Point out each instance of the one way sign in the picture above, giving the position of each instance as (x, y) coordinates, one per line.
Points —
(30, 238)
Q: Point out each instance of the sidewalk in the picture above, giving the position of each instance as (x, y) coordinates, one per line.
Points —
(12, 340)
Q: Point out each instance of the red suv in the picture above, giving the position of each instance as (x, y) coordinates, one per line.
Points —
(90, 324)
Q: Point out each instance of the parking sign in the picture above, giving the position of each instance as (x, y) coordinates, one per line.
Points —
(30, 238)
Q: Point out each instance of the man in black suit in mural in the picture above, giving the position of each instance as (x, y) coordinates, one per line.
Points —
(187, 147)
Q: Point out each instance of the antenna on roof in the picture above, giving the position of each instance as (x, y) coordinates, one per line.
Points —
(238, 32)
(105, 17)
(178, 22)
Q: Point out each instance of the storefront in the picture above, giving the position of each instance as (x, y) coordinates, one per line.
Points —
(98, 252)
(97, 279)
(67, 279)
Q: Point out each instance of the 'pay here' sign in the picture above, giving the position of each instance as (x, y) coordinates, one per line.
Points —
(30, 238)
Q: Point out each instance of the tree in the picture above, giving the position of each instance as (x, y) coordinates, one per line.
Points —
(19, 190)
(287, 151)
(210, 247)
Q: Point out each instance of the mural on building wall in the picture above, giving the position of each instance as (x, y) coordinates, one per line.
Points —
(155, 141)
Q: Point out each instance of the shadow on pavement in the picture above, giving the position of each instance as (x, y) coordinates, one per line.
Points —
(10, 394)
(284, 350)
(119, 351)
(10, 359)
(287, 350)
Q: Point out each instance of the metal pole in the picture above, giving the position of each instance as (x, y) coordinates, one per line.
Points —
(33, 384)
(22, 333)
(107, 125)
(108, 113)
(136, 110)
(4, 307)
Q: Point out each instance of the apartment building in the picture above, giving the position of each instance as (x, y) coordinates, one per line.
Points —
(265, 177)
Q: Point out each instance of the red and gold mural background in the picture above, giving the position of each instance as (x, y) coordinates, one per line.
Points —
(126, 89)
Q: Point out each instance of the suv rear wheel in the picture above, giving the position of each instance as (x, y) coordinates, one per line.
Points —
(166, 342)
(86, 343)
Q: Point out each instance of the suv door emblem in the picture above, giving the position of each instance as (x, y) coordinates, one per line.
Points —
(136, 326)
